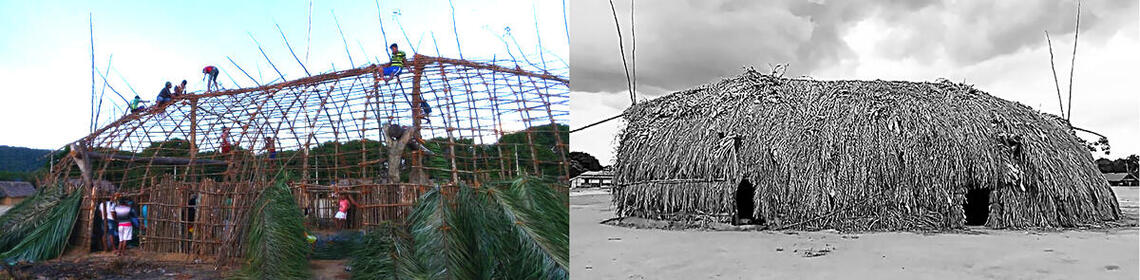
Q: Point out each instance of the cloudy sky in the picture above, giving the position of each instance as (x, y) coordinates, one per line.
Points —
(999, 46)
(45, 56)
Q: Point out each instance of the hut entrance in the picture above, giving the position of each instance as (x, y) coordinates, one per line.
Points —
(745, 206)
(977, 207)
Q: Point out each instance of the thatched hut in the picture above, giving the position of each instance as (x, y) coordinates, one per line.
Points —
(854, 155)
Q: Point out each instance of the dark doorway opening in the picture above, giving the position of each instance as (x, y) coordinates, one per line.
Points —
(744, 203)
(977, 207)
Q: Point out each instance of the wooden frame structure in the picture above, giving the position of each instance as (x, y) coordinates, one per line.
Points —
(198, 162)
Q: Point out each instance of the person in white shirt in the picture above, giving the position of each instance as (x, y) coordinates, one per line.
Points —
(123, 217)
(110, 228)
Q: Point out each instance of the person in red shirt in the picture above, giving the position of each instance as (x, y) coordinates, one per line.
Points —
(210, 74)
(225, 140)
(343, 200)
(270, 149)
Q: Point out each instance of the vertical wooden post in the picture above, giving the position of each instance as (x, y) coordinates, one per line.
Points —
(305, 163)
(193, 137)
(79, 154)
(450, 139)
(417, 174)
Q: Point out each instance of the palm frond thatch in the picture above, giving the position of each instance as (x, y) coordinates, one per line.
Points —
(511, 230)
(27, 215)
(276, 238)
(49, 238)
(854, 155)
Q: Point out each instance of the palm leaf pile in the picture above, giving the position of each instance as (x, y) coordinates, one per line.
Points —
(510, 230)
(39, 227)
(854, 155)
(26, 215)
(276, 246)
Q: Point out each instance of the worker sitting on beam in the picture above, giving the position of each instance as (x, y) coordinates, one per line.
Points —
(163, 96)
(136, 105)
(396, 66)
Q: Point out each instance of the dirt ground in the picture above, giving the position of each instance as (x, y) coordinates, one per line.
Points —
(600, 251)
(147, 266)
(108, 266)
(329, 269)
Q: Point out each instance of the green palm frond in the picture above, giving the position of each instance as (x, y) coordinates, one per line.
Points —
(535, 234)
(511, 230)
(427, 228)
(276, 240)
(27, 215)
(469, 237)
(49, 239)
(375, 257)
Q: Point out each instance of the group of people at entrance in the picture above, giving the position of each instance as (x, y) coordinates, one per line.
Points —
(120, 219)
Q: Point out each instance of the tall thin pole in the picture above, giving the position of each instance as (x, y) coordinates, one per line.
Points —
(1060, 102)
(1073, 63)
(291, 50)
(396, 16)
(633, 51)
(91, 29)
(380, 17)
(309, 32)
(342, 38)
(621, 47)
(453, 29)
(565, 22)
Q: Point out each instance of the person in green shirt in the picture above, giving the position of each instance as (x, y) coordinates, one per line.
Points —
(136, 104)
(396, 66)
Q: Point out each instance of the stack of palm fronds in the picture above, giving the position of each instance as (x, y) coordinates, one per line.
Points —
(855, 155)
(39, 227)
(276, 246)
(511, 230)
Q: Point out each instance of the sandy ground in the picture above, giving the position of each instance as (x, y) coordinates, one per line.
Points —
(601, 251)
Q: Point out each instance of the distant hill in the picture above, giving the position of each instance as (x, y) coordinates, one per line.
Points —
(20, 159)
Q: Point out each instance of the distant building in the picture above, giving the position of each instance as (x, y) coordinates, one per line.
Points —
(12, 192)
(593, 179)
(1120, 179)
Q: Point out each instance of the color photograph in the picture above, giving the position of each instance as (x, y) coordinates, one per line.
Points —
(284, 140)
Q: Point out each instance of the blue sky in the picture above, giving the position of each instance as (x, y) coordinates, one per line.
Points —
(45, 56)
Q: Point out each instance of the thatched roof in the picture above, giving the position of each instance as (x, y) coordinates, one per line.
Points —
(16, 189)
(1112, 177)
(596, 174)
(857, 155)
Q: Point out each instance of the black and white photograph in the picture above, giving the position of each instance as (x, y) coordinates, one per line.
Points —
(854, 139)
